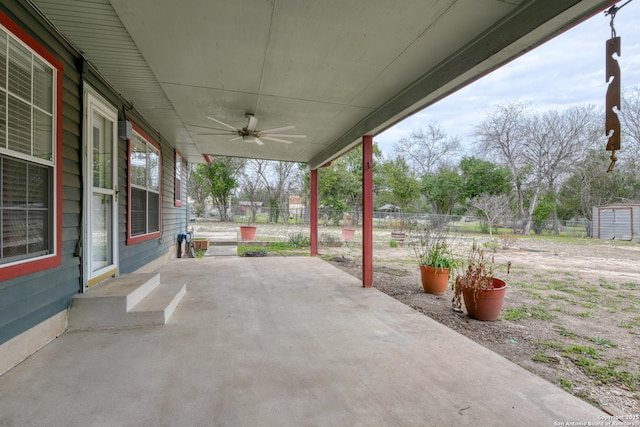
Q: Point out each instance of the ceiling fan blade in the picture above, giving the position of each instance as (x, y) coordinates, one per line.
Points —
(270, 138)
(277, 129)
(222, 123)
(234, 139)
(217, 133)
(209, 127)
(253, 122)
(257, 141)
(284, 135)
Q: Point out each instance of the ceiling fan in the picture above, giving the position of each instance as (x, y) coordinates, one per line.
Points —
(249, 133)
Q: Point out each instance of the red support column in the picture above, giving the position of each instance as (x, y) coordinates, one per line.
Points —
(367, 211)
(313, 213)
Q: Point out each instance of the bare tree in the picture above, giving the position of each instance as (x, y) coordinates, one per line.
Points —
(502, 135)
(252, 184)
(557, 141)
(426, 150)
(280, 179)
(630, 124)
(540, 149)
(494, 207)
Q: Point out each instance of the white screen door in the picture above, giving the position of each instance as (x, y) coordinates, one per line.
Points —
(100, 243)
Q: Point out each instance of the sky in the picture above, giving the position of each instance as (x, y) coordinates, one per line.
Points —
(566, 71)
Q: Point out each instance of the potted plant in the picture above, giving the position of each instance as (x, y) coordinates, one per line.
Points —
(482, 292)
(201, 243)
(248, 231)
(348, 232)
(435, 260)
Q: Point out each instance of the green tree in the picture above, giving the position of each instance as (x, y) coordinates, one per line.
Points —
(218, 180)
(340, 183)
(543, 212)
(483, 177)
(196, 192)
(590, 185)
(443, 190)
(398, 182)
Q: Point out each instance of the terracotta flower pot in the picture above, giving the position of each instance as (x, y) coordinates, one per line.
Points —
(247, 232)
(347, 234)
(200, 244)
(485, 304)
(434, 280)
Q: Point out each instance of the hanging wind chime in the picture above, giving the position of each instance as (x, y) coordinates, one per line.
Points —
(612, 120)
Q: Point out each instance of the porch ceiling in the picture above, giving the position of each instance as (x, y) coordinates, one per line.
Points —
(335, 69)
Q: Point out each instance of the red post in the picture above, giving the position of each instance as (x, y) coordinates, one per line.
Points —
(313, 213)
(367, 211)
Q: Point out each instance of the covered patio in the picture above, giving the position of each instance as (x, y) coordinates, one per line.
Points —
(299, 81)
(284, 341)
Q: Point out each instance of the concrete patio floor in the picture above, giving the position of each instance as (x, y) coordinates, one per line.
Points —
(279, 342)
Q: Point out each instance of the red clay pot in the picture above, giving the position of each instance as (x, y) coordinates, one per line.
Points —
(488, 302)
(434, 280)
(201, 244)
(347, 234)
(247, 232)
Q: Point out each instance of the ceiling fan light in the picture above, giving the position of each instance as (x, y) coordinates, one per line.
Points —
(248, 138)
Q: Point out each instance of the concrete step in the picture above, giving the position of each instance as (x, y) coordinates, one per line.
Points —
(159, 305)
(221, 251)
(223, 239)
(222, 244)
(217, 243)
(126, 301)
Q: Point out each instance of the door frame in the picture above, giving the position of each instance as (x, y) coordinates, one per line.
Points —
(93, 103)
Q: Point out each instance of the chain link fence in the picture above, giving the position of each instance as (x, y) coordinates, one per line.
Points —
(395, 222)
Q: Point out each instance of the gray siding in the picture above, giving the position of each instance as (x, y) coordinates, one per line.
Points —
(174, 219)
(30, 299)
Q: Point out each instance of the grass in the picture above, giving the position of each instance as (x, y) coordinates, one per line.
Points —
(586, 315)
(581, 350)
(542, 358)
(565, 384)
(589, 360)
(603, 342)
(540, 311)
(565, 333)
(608, 373)
(551, 344)
(275, 248)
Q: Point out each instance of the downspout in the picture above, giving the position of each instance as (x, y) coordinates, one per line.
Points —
(81, 66)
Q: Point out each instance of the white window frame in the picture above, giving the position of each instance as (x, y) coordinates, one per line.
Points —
(150, 146)
(178, 180)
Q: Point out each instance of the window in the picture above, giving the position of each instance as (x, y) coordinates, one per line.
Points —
(144, 188)
(178, 181)
(30, 105)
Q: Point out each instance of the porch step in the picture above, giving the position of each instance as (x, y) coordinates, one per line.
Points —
(222, 244)
(223, 239)
(124, 302)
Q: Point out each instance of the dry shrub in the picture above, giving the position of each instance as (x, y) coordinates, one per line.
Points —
(508, 240)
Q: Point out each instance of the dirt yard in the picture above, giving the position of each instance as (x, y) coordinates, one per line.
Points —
(571, 314)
